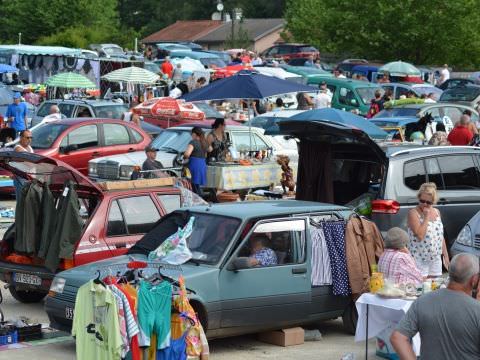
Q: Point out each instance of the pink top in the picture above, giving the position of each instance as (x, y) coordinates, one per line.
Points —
(399, 267)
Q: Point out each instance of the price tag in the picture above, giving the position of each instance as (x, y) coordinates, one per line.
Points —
(65, 191)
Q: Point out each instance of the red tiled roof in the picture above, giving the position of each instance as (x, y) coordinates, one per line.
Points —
(184, 31)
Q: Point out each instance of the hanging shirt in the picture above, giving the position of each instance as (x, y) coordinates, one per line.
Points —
(95, 323)
(122, 325)
(321, 268)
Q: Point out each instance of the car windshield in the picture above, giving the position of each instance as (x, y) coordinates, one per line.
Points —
(45, 135)
(110, 111)
(461, 94)
(113, 50)
(213, 61)
(210, 112)
(368, 93)
(265, 122)
(169, 140)
(44, 109)
(401, 111)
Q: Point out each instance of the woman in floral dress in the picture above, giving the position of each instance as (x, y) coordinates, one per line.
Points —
(425, 231)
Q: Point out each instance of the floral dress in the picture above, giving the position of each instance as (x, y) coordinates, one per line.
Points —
(430, 248)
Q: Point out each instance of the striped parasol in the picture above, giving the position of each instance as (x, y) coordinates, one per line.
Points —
(133, 75)
(70, 80)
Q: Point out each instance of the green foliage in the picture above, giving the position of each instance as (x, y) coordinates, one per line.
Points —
(422, 32)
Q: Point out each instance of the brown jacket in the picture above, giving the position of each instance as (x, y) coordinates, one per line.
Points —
(364, 245)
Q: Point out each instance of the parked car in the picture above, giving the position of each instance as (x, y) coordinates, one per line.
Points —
(73, 108)
(349, 94)
(109, 50)
(455, 82)
(399, 89)
(389, 173)
(151, 66)
(466, 95)
(347, 65)
(369, 71)
(76, 141)
(113, 220)
(229, 297)
(172, 142)
(225, 56)
(301, 62)
(468, 239)
(401, 115)
(208, 60)
(289, 51)
(308, 73)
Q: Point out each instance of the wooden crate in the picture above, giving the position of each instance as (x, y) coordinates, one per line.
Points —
(137, 184)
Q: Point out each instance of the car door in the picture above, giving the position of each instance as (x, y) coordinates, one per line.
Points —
(270, 295)
(115, 140)
(347, 99)
(78, 146)
(66, 109)
(128, 219)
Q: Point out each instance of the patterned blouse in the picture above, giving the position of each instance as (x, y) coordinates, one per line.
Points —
(430, 248)
(266, 257)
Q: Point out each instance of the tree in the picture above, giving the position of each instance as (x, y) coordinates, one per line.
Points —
(421, 32)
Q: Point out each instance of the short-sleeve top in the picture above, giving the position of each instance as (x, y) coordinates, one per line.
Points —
(430, 248)
(197, 152)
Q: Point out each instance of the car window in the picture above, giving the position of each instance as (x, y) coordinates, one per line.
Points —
(400, 90)
(116, 225)
(459, 172)
(83, 111)
(306, 49)
(170, 202)
(346, 97)
(434, 173)
(245, 141)
(332, 88)
(84, 137)
(66, 109)
(414, 174)
(284, 50)
(276, 243)
(114, 111)
(172, 140)
(45, 135)
(44, 109)
(368, 93)
(467, 93)
(115, 134)
(273, 51)
(400, 111)
(452, 113)
(137, 137)
(140, 214)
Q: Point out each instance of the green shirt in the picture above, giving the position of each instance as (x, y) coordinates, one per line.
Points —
(95, 323)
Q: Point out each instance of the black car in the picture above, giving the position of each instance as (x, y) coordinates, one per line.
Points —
(455, 82)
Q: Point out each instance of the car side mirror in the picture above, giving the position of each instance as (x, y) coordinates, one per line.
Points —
(239, 263)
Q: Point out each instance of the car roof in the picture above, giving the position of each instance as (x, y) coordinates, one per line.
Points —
(193, 54)
(417, 149)
(74, 121)
(280, 113)
(353, 83)
(255, 209)
(209, 126)
(92, 103)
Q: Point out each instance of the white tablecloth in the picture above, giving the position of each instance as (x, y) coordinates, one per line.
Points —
(381, 314)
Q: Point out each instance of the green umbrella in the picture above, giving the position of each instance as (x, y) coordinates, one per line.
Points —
(132, 74)
(70, 80)
(400, 68)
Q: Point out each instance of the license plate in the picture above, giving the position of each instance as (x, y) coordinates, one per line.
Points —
(69, 312)
(27, 279)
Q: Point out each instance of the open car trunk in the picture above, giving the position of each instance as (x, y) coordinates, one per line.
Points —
(337, 163)
(44, 172)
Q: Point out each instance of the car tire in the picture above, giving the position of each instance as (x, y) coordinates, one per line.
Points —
(27, 296)
(350, 318)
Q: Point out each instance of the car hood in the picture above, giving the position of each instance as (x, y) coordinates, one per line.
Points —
(46, 170)
(332, 133)
(79, 275)
(397, 120)
(137, 158)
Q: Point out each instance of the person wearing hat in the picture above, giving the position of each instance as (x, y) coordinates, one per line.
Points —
(151, 166)
(396, 263)
(323, 98)
(16, 114)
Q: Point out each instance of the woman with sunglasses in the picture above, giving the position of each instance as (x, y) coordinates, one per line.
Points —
(425, 230)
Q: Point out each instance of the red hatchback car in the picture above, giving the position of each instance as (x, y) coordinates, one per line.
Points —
(76, 141)
(290, 51)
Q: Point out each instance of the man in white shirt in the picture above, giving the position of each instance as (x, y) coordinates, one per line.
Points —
(444, 74)
(323, 98)
(54, 115)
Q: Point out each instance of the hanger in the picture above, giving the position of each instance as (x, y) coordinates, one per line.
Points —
(97, 279)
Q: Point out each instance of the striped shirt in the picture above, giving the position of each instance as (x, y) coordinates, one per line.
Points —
(132, 327)
(399, 267)
(321, 271)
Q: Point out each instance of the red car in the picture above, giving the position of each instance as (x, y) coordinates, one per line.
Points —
(290, 51)
(76, 141)
(114, 220)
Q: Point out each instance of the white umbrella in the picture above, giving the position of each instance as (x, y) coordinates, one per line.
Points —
(132, 75)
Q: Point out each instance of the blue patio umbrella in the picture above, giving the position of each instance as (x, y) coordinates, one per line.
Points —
(342, 117)
(5, 68)
(246, 85)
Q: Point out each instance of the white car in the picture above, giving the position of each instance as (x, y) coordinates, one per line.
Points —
(173, 141)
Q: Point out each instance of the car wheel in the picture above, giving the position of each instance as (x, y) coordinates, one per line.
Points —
(27, 296)
(350, 318)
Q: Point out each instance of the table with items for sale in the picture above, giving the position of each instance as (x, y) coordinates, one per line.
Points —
(377, 317)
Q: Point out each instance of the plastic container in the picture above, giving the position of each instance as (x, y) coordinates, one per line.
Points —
(376, 282)
(31, 332)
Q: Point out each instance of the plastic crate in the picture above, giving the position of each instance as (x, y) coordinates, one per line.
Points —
(8, 337)
(31, 332)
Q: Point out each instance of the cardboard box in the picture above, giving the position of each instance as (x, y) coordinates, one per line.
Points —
(283, 337)
(137, 184)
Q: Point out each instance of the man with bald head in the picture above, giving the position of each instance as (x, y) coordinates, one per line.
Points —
(461, 134)
(448, 320)
(53, 115)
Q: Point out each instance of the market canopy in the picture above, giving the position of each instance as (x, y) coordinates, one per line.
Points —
(400, 68)
(4, 68)
(132, 75)
(246, 85)
(70, 80)
(338, 116)
(39, 50)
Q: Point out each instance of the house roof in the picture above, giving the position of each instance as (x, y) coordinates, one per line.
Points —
(183, 30)
(256, 29)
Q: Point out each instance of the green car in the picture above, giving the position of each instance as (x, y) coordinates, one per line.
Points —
(348, 94)
(310, 74)
(232, 294)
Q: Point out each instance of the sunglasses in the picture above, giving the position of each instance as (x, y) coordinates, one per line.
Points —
(27, 137)
(421, 201)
